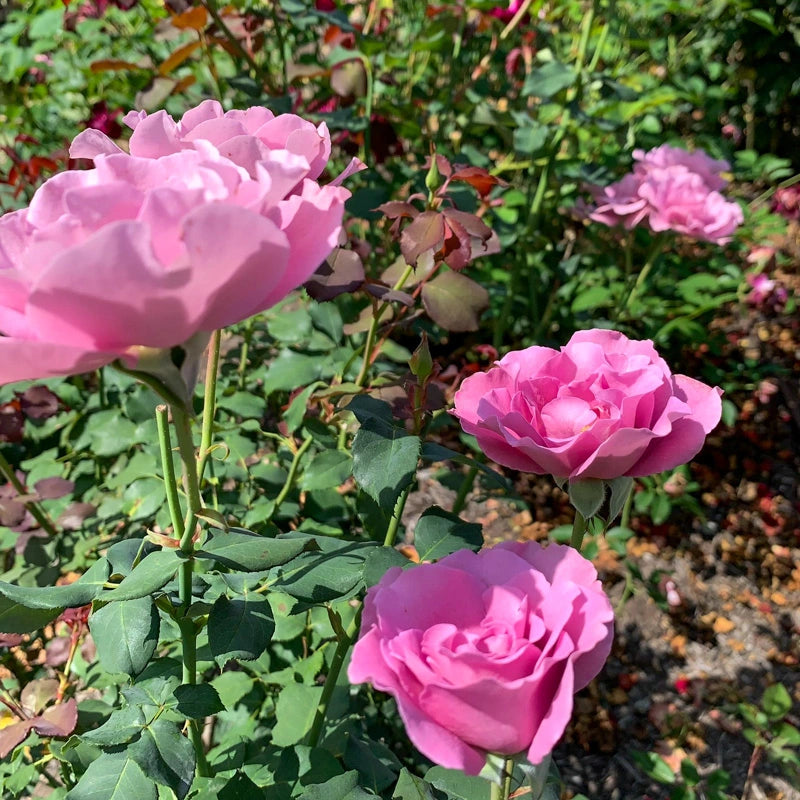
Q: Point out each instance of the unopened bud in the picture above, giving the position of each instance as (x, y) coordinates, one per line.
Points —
(421, 362)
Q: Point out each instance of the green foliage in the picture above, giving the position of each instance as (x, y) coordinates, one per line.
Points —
(320, 432)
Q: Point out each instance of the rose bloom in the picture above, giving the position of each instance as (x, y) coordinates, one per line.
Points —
(205, 223)
(483, 652)
(680, 201)
(602, 407)
(669, 189)
(697, 162)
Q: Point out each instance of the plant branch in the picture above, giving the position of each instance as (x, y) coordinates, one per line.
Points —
(38, 513)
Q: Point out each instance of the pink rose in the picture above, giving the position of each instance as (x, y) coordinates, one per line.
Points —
(207, 222)
(483, 652)
(669, 189)
(602, 407)
(506, 14)
(765, 291)
(699, 163)
(680, 201)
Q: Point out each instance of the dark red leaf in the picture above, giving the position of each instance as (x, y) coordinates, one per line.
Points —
(395, 209)
(58, 720)
(51, 488)
(72, 517)
(426, 232)
(454, 301)
(341, 272)
(478, 178)
(389, 295)
(12, 735)
(457, 246)
(12, 422)
(38, 402)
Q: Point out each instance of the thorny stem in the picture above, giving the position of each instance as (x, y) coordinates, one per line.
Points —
(63, 683)
(758, 751)
(346, 641)
(464, 489)
(394, 522)
(342, 646)
(170, 483)
(186, 624)
(38, 513)
(578, 530)
(373, 328)
(209, 402)
(502, 791)
(287, 486)
(211, 7)
(641, 279)
(248, 335)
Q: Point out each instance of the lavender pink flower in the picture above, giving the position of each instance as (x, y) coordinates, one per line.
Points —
(207, 221)
(670, 189)
(483, 652)
(604, 406)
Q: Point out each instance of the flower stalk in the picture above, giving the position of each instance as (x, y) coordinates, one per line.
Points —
(184, 529)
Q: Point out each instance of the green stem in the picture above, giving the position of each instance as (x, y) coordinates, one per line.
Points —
(278, 27)
(183, 430)
(342, 647)
(464, 489)
(508, 768)
(209, 402)
(578, 530)
(641, 278)
(101, 388)
(248, 335)
(168, 468)
(373, 328)
(186, 624)
(293, 471)
(38, 513)
(211, 7)
(626, 510)
(394, 522)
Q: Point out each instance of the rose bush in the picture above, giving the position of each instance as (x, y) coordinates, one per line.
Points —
(483, 652)
(670, 189)
(602, 407)
(206, 222)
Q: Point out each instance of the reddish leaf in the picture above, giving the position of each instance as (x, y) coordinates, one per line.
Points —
(342, 272)
(11, 639)
(72, 517)
(58, 720)
(478, 178)
(12, 735)
(112, 65)
(12, 512)
(51, 488)
(442, 164)
(38, 402)
(426, 232)
(395, 209)
(178, 56)
(12, 422)
(392, 273)
(389, 295)
(194, 18)
(472, 223)
(454, 301)
(457, 246)
(37, 694)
